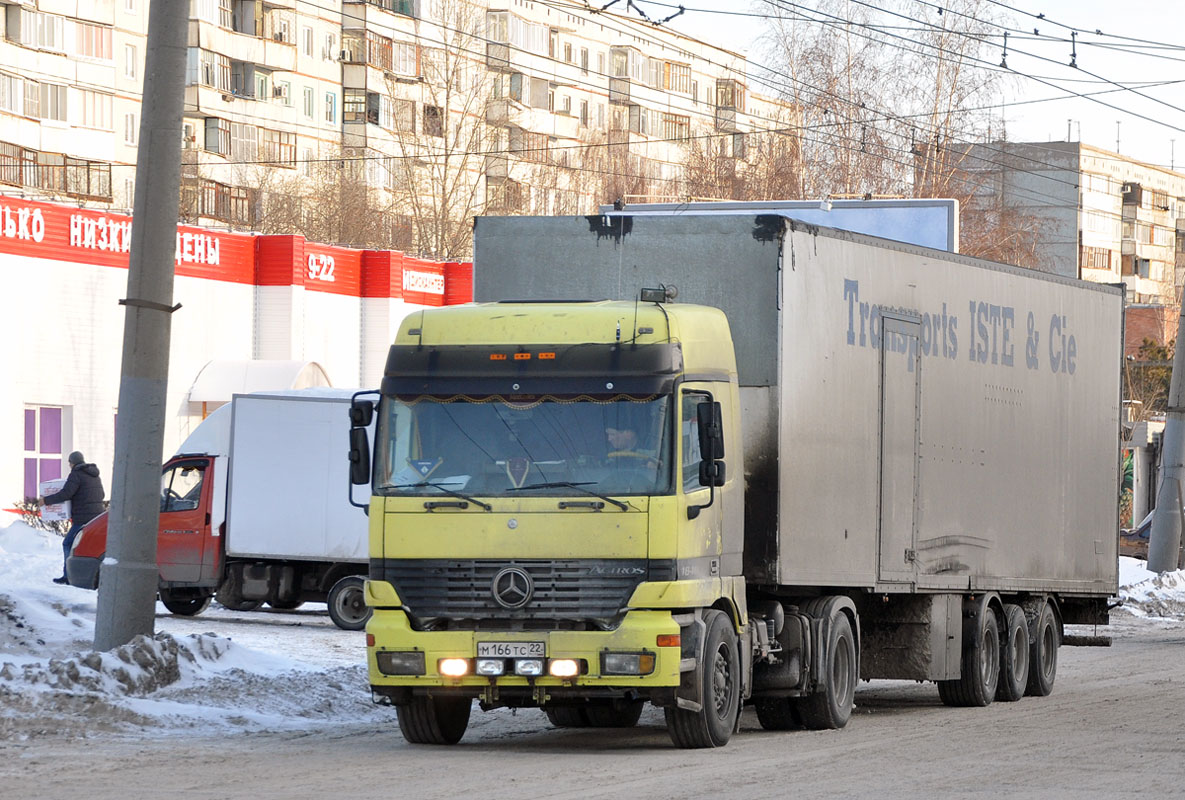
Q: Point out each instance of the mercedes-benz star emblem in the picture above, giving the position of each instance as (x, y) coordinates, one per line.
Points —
(512, 587)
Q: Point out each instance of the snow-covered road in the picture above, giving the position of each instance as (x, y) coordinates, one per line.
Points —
(275, 703)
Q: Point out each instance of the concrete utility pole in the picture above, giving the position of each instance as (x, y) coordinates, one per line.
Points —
(1164, 540)
(128, 577)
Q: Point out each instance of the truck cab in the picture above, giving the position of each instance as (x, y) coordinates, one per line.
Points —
(552, 522)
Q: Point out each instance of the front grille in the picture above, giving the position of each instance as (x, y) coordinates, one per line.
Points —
(564, 590)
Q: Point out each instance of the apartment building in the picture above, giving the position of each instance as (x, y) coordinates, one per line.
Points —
(441, 108)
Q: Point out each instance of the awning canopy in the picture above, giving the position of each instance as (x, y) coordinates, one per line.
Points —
(219, 380)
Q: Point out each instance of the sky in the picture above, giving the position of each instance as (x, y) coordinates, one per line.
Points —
(1147, 126)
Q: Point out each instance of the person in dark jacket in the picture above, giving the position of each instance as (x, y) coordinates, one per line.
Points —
(84, 490)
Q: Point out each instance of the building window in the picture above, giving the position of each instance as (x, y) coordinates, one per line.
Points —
(354, 106)
(567, 52)
(403, 115)
(433, 121)
(53, 102)
(584, 60)
(309, 101)
(330, 107)
(243, 142)
(226, 14)
(43, 447)
(1095, 258)
(217, 136)
(129, 128)
(92, 41)
(129, 61)
(277, 147)
(584, 112)
(306, 41)
(676, 127)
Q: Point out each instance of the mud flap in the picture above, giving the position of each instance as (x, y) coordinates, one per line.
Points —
(692, 631)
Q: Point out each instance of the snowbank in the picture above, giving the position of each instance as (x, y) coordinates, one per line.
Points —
(53, 683)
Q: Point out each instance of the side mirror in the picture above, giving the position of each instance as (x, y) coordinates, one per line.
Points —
(359, 455)
(711, 473)
(361, 413)
(711, 431)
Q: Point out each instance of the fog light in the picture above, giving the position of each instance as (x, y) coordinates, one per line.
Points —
(563, 667)
(627, 663)
(490, 666)
(529, 666)
(453, 667)
(389, 663)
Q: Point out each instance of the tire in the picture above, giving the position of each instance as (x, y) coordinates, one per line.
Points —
(347, 604)
(1014, 655)
(286, 605)
(185, 606)
(434, 720)
(720, 690)
(1043, 653)
(567, 716)
(614, 714)
(778, 713)
(981, 666)
(831, 708)
(228, 599)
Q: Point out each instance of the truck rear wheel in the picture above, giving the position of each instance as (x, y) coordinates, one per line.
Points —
(1043, 653)
(1014, 655)
(832, 707)
(184, 606)
(615, 713)
(567, 716)
(720, 690)
(980, 676)
(434, 720)
(347, 604)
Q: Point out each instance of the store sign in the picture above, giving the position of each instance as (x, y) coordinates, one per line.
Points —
(427, 282)
(22, 223)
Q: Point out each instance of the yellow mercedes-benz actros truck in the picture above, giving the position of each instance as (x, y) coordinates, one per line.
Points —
(847, 459)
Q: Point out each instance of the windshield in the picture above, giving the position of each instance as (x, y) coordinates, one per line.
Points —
(524, 446)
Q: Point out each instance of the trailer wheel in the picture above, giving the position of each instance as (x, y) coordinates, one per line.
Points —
(1014, 655)
(567, 716)
(980, 676)
(720, 690)
(832, 707)
(184, 606)
(286, 605)
(1043, 653)
(778, 713)
(434, 720)
(347, 604)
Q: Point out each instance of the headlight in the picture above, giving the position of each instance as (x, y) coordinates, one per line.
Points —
(490, 666)
(407, 663)
(528, 666)
(627, 663)
(453, 667)
(563, 668)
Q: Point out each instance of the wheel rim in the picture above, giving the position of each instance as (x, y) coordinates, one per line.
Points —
(1048, 648)
(721, 681)
(841, 672)
(990, 657)
(351, 604)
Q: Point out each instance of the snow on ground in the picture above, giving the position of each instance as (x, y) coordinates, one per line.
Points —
(277, 671)
(295, 673)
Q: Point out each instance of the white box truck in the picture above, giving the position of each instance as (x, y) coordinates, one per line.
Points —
(255, 509)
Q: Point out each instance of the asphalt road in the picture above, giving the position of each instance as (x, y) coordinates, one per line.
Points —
(1113, 728)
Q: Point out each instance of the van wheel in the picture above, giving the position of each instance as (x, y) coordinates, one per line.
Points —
(434, 720)
(347, 604)
(184, 606)
(720, 690)
(980, 674)
(1014, 655)
(1043, 653)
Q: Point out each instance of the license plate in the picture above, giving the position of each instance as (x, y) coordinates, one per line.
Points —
(510, 650)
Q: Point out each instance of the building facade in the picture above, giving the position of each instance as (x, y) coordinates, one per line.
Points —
(257, 313)
(435, 110)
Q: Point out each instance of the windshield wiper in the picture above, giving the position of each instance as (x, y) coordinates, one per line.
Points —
(442, 487)
(578, 485)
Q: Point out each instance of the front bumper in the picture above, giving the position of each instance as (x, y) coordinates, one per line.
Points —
(83, 571)
(638, 632)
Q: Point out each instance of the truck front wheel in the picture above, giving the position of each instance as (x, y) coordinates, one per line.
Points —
(347, 604)
(720, 690)
(434, 720)
(184, 606)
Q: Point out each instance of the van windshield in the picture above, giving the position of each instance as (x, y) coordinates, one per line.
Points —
(524, 445)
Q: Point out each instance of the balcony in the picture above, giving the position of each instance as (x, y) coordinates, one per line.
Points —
(619, 90)
(726, 119)
(497, 166)
(498, 57)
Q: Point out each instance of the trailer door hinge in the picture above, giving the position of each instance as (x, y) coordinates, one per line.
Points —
(911, 554)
